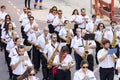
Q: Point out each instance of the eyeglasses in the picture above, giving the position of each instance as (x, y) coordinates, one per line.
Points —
(32, 74)
(85, 67)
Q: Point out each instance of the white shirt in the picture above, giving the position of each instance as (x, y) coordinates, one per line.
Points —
(10, 45)
(108, 62)
(7, 36)
(20, 69)
(83, 25)
(51, 17)
(2, 16)
(63, 32)
(42, 40)
(118, 66)
(98, 35)
(108, 35)
(23, 16)
(79, 75)
(75, 18)
(57, 22)
(90, 26)
(32, 36)
(49, 49)
(67, 60)
(29, 26)
(81, 43)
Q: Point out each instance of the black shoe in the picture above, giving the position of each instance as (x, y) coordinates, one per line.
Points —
(40, 7)
(34, 6)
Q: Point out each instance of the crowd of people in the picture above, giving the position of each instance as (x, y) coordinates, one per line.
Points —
(87, 38)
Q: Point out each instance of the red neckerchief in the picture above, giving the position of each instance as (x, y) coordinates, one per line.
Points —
(64, 56)
(83, 14)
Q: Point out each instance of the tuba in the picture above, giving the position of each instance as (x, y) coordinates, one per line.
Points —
(49, 65)
(86, 51)
(114, 40)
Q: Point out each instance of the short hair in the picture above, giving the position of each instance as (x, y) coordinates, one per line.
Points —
(31, 17)
(83, 10)
(16, 39)
(53, 34)
(93, 16)
(113, 22)
(84, 62)
(3, 6)
(105, 41)
(20, 47)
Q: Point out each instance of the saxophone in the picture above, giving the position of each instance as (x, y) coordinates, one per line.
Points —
(68, 37)
(102, 38)
(114, 40)
(86, 51)
(49, 65)
(114, 57)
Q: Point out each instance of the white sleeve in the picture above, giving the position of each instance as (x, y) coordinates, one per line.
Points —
(55, 22)
(56, 59)
(118, 63)
(76, 76)
(45, 51)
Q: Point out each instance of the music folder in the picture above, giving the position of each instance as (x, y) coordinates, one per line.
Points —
(89, 37)
(112, 51)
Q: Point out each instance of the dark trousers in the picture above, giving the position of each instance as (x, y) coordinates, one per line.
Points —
(50, 74)
(78, 60)
(98, 47)
(8, 60)
(27, 3)
(75, 27)
(15, 77)
(63, 75)
(51, 28)
(106, 73)
(58, 38)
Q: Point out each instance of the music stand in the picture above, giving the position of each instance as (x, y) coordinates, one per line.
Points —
(89, 37)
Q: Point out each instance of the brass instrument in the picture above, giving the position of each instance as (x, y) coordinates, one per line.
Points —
(115, 57)
(49, 65)
(102, 38)
(86, 51)
(68, 39)
(114, 40)
(95, 28)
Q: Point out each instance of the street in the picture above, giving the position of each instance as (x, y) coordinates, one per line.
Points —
(14, 8)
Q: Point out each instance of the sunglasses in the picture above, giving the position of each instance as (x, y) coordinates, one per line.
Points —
(85, 67)
(32, 74)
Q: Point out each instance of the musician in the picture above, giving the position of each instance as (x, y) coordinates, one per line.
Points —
(64, 62)
(9, 46)
(64, 33)
(84, 73)
(48, 53)
(27, 28)
(18, 64)
(111, 35)
(58, 23)
(92, 24)
(23, 15)
(84, 19)
(106, 62)
(50, 18)
(42, 41)
(31, 74)
(99, 36)
(75, 18)
(80, 47)
(14, 50)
